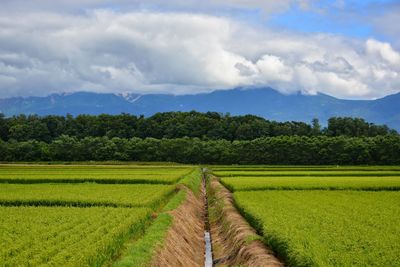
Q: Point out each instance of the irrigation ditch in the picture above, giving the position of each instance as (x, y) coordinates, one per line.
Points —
(209, 231)
(208, 255)
(229, 239)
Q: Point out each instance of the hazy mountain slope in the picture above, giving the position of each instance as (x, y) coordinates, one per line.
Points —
(264, 102)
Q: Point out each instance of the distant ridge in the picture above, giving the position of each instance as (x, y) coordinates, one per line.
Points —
(264, 102)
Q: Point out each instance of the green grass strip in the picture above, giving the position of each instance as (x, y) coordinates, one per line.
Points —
(175, 201)
(142, 251)
(193, 181)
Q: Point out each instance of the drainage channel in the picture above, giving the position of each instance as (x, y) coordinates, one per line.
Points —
(208, 261)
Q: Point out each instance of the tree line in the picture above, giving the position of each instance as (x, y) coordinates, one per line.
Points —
(307, 150)
(193, 137)
(172, 125)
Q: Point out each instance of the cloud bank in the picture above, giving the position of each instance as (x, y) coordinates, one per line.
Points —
(176, 52)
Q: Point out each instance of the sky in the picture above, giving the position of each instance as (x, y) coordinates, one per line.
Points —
(346, 49)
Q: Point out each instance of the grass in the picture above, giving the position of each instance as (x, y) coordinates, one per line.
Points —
(88, 194)
(193, 181)
(95, 173)
(175, 201)
(141, 252)
(327, 228)
(66, 236)
(301, 183)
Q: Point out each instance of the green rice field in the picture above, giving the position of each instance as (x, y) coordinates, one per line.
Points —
(95, 173)
(65, 236)
(334, 228)
(87, 194)
(324, 183)
(321, 216)
(258, 168)
(117, 215)
(86, 215)
(327, 173)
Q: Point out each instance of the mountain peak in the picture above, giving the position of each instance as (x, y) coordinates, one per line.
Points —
(130, 97)
(263, 102)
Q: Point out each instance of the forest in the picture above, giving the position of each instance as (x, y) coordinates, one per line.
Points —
(206, 126)
(192, 137)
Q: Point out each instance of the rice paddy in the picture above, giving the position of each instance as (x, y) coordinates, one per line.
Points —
(66, 215)
(321, 216)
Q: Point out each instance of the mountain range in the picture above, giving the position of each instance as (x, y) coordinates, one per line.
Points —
(264, 102)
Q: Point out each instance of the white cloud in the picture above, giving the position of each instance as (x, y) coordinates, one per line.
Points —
(273, 69)
(106, 51)
(384, 51)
